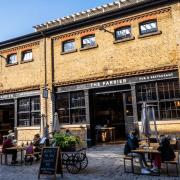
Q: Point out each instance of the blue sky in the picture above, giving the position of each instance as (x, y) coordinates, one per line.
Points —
(18, 16)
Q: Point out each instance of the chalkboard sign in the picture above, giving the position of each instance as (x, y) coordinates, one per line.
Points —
(49, 160)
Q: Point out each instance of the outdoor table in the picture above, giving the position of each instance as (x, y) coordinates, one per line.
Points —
(18, 148)
(147, 150)
(150, 150)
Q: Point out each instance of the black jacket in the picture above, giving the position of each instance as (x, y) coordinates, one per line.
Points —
(131, 144)
(167, 153)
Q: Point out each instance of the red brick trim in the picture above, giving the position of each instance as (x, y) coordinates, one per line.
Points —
(22, 47)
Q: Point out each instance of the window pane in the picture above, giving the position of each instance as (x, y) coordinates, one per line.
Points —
(146, 92)
(88, 41)
(71, 107)
(124, 32)
(63, 107)
(35, 104)
(29, 111)
(170, 110)
(148, 27)
(68, 46)
(35, 118)
(27, 55)
(24, 105)
(12, 59)
(167, 99)
(24, 119)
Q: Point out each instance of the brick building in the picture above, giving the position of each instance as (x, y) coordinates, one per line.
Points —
(98, 67)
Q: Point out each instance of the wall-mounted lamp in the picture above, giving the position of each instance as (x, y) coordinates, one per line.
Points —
(101, 28)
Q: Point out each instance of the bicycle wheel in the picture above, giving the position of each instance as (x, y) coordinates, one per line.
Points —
(64, 158)
(73, 164)
(84, 160)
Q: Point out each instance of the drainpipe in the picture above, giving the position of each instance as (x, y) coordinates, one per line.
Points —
(45, 90)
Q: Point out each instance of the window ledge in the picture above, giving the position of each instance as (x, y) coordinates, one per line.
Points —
(30, 60)
(150, 34)
(7, 65)
(124, 40)
(84, 125)
(90, 47)
(68, 52)
(28, 127)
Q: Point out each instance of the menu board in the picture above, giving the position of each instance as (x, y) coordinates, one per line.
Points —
(49, 160)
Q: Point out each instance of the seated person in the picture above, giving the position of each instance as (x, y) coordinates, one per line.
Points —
(36, 143)
(167, 154)
(132, 144)
(29, 151)
(8, 143)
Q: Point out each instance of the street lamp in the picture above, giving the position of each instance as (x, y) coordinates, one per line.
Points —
(102, 28)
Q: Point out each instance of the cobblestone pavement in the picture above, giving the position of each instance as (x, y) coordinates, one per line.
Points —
(105, 163)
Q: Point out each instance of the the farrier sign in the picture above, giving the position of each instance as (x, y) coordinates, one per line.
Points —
(122, 81)
(19, 95)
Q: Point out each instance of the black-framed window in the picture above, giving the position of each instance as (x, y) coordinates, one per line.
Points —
(27, 55)
(88, 41)
(148, 27)
(164, 95)
(71, 107)
(29, 111)
(123, 32)
(68, 46)
(12, 58)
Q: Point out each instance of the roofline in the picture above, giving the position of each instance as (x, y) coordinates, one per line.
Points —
(82, 22)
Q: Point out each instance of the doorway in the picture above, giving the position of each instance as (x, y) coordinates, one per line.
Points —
(109, 111)
(6, 119)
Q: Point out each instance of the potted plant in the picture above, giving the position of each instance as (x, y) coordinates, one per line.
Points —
(66, 142)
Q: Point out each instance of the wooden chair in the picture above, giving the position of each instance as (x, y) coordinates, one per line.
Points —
(28, 158)
(173, 162)
(128, 158)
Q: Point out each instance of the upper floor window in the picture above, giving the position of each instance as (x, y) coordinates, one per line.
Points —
(88, 41)
(12, 59)
(123, 32)
(148, 27)
(68, 46)
(27, 55)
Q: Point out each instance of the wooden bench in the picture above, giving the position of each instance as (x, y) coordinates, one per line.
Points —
(174, 162)
(128, 158)
(5, 158)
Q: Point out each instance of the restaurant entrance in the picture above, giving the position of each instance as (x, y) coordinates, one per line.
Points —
(109, 114)
(6, 119)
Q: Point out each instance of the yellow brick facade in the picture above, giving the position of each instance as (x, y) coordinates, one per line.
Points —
(108, 59)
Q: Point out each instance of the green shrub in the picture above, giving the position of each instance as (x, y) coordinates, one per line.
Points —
(66, 142)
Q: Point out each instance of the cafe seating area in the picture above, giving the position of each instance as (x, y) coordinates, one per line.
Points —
(148, 148)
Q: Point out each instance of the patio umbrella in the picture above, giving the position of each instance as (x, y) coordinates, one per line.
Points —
(145, 128)
(56, 126)
(151, 117)
(148, 115)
